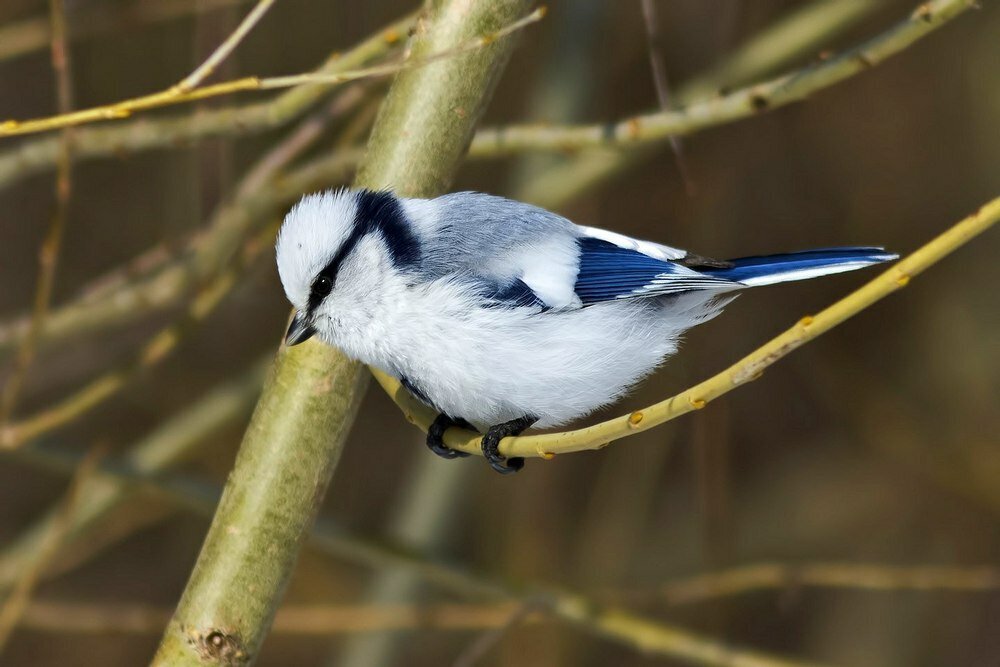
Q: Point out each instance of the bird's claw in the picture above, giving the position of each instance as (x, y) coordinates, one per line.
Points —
(435, 437)
(491, 444)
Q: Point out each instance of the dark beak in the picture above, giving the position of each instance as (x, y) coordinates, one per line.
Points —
(298, 331)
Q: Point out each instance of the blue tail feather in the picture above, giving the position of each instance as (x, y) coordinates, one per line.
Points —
(767, 269)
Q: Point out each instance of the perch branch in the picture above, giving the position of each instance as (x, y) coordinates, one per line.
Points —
(749, 368)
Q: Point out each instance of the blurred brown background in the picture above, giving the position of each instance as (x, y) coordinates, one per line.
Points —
(875, 444)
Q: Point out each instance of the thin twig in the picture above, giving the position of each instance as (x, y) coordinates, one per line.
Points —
(299, 428)
(146, 133)
(206, 252)
(203, 71)
(159, 278)
(119, 479)
(16, 434)
(48, 255)
(135, 298)
(614, 624)
(659, 70)
(178, 95)
(24, 37)
(725, 108)
(747, 369)
(15, 605)
(849, 576)
(295, 620)
(204, 302)
(333, 540)
(478, 649)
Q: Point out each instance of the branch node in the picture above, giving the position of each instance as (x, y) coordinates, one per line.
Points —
(217, 646)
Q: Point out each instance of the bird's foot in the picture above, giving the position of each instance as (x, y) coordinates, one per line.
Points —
(435, 436)
(491, 444)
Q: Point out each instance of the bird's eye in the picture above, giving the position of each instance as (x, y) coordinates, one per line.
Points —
(322, 286)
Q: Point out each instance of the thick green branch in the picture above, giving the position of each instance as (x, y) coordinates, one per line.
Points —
(301, 422)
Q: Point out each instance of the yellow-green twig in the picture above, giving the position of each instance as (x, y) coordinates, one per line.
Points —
(749, 368)
(180, 93)
(147, 133)
(203, 71)
(719, 109)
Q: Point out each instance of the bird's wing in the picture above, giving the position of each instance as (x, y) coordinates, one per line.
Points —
(514, 254)
(648, 248)
(614, 267)
(510, 253)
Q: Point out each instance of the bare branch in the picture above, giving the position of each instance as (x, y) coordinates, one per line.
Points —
(48, 255)
(727, 107)
(182, 93)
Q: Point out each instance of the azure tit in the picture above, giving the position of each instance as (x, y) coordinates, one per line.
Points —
(501, 315)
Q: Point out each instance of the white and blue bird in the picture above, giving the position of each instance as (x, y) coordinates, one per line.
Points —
(501, 315)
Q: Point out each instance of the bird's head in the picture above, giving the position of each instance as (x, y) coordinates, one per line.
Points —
(335, 249)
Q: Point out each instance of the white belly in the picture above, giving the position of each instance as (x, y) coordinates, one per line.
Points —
(491, 365)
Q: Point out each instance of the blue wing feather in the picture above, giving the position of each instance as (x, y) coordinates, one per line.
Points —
(609, 272)
(767, 269)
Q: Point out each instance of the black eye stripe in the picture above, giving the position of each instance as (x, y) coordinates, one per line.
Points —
(379, 212)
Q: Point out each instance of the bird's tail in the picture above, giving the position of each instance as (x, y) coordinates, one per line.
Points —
(768, 269)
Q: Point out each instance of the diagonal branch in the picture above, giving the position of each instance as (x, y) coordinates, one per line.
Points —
(205, 70)
(725, 108)
(749, 368)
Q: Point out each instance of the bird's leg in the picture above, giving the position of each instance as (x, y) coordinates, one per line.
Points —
(496, 433)
(435, 436)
